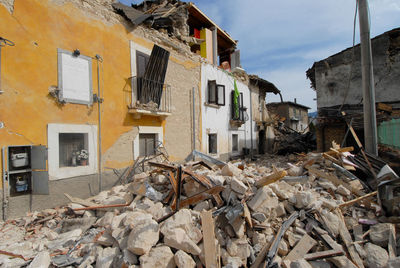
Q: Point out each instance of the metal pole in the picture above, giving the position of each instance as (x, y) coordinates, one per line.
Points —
(370, 131)
(194, 122)
(99, 123)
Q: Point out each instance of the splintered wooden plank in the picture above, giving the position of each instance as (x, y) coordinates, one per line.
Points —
(392, 245)
(274, 177)
(247, 215)
(302, 247)
(351, 202)
(323, 254)
(200, 196)
(348, 241)
(207, 223)
(173, 182)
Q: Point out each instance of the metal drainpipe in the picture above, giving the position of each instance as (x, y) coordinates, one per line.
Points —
(251, 126)
(5, 201)
(99, 100)
(194, 121)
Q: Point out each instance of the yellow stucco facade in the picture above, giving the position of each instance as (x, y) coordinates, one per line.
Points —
(40, 27)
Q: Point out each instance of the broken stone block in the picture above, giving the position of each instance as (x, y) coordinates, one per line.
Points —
(393, 263)
(259, 216)
(379, 234)
(233, 262)
(143, 237)
(304, 199)
(183, 260)
(331, 221)
(177, 238)
(230, 170)
(192, 187)
(181, 219)
(42, 260)
(376, 256)
(129, 258)
(106, 257)
(238, 186)
(114, 200)
(280, 210)
(319, 264)
(300, 263)
(343, 190)
(263, 199)
(217, 179)
(239, 226)
(194, 233)
(258, 238)
(65, 238)
(283, 248)
(158, 257)
(202, 206)
(282, 189)
(160, 179)
(294, 170)
(106, 240)
(106, 219)
(329, 204)
(326, 185)
(140, 177)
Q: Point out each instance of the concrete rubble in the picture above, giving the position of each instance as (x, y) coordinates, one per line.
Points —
(303, 219)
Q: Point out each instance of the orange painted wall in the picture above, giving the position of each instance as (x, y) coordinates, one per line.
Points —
(38, 28)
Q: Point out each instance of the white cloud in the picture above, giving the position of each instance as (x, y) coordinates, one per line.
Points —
(280, 40)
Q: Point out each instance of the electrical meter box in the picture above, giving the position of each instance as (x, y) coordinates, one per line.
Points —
(26, 170)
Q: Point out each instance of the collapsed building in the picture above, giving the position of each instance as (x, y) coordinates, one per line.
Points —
(337, 82)
(96, 87)
(160, 96)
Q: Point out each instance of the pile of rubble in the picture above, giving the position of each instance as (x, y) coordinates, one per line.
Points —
(294, 211)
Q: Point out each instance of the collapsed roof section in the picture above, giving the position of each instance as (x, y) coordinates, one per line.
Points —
(263, 84)
(189, 24)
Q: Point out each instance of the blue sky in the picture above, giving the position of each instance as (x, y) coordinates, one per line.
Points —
(280, 40)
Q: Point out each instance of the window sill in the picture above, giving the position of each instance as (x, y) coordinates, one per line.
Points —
(212, 105)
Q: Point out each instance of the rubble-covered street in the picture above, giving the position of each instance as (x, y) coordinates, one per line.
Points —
(277, 211)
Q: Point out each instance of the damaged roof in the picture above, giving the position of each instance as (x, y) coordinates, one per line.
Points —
(288, 103)
(134, 15)
(333, 60)
(263, 84)
(175, 16)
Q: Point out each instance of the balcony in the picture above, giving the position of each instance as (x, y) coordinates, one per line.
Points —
(149, 98)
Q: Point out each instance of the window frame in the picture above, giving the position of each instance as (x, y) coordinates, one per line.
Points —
(237, 142)
(216, 96)
(241, 106)
(216, 143)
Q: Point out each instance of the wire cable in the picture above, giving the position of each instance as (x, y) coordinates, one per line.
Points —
(352, 58)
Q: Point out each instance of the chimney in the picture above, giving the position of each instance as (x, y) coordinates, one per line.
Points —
(295, 101)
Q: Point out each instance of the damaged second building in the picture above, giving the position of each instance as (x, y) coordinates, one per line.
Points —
(90, 87)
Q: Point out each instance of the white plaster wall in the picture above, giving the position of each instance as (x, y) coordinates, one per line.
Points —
(55, 171)
(216, 120)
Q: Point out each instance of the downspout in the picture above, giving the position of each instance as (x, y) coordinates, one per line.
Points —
(194, 122)
(5, 201)
(99, 101)
(251, 126)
